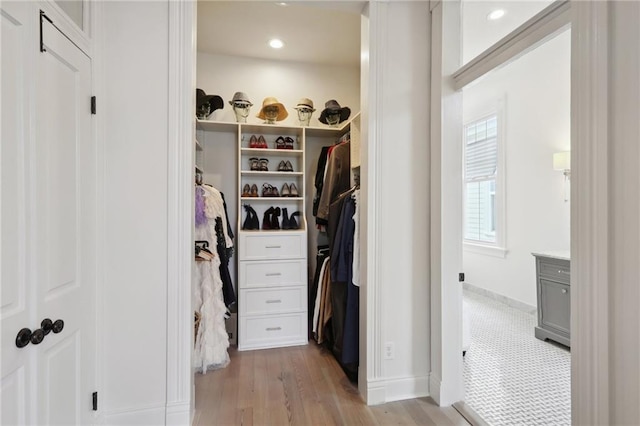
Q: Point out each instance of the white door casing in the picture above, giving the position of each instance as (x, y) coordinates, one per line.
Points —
(15, 292)
(55, 163)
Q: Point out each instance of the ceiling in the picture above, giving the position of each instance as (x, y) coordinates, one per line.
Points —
(479, 33)
(313, 32)
(328, 32)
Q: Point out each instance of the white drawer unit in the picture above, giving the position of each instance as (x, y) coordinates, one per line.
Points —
(272, 304)
(270, 331)
(274, 273)
(272, 300)
(273, 245)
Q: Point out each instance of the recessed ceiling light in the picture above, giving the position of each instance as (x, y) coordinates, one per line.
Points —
(496, 14)
(281, 4)
(276, 43)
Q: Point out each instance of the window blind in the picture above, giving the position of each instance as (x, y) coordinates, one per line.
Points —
(480, 170)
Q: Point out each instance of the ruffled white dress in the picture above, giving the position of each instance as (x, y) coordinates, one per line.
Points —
(212, 340)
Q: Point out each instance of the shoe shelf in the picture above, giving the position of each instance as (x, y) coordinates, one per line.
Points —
(272, 199)
(274, 173)
(272, 151)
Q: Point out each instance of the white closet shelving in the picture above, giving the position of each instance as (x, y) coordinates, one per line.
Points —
(273, 271)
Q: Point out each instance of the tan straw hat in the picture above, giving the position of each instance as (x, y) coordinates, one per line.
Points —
(271, 101)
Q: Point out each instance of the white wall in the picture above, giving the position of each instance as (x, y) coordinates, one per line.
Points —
(399, 264)
(536, 93)
(134, 109)
(287, 81)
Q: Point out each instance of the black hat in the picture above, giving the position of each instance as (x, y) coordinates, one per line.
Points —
(215, 102)
(333, 107)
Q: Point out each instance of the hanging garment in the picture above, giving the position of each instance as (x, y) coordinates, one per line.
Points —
(318, 296)
(212, 340)
(356, 240)
(344, 272)
(323, 253)
(337, 180)
(325, 312)
(322, 164)
(218, 230)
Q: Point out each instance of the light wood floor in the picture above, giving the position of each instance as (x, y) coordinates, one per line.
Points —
(299, 386)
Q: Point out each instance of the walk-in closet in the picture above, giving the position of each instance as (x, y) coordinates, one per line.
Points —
(276, 219)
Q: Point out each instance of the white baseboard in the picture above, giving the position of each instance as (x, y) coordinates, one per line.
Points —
(178, 414)
(516, 304)
(381, 391)
(154, 415)
(435, 387)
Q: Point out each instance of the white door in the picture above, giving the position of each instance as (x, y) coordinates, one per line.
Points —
(48, 224)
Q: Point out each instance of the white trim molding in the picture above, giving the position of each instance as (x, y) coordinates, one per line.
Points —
(371, 293)
(590, 226)
(181, 118)
(446, 212)
(397, 389)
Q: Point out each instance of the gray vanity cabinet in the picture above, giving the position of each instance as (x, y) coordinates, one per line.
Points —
(553, 282)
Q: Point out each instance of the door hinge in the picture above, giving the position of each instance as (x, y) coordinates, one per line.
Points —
(93, 105)
(43, 16)
(95, 401)
(461, 277)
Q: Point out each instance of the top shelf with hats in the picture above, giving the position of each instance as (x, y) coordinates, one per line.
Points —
(274, 129)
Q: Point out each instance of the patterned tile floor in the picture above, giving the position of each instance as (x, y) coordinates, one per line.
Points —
(512, 378)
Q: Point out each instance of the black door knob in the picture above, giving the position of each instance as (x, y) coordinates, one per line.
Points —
(58, 326)
(37, 336)
(46, 325)
(23, 338)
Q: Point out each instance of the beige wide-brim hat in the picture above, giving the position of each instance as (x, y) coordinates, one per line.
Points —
(271, 101)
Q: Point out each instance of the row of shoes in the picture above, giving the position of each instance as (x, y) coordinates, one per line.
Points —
(269, 190)
(280, 143)
(271, 219)
(284, 142)
(262, 165)
(258, 142)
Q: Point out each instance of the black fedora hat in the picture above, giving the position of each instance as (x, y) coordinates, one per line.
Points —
(214, 101)
(333, 107)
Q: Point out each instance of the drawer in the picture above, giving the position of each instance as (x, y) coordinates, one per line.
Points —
(272, 331)
(556, 270)
(272, 245)
(271, 301)
(272, 273)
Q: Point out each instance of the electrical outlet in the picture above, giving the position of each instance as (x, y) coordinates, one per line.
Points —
(389, 350)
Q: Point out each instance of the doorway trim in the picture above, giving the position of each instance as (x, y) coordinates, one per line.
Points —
(180, 400)
(180, 211)
(590, 229)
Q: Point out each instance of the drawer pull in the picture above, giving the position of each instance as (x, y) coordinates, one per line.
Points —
(564, 291)
(273, 328)
(274, 301)
(560, 271)
(273, 274)
(272, 246)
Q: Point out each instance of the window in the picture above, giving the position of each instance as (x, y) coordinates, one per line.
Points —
(481, 181)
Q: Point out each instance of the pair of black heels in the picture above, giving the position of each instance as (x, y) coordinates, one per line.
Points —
(271, 219)
(251, 221)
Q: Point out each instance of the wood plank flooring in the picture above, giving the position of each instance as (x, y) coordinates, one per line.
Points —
(301, 385)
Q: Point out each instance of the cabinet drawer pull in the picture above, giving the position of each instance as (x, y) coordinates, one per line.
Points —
(273, 328)
(274, 301)
(272, 246)
(561, 271)
(273, 274)
(564, 291)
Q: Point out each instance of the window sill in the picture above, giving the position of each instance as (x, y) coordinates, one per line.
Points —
(485, 250)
